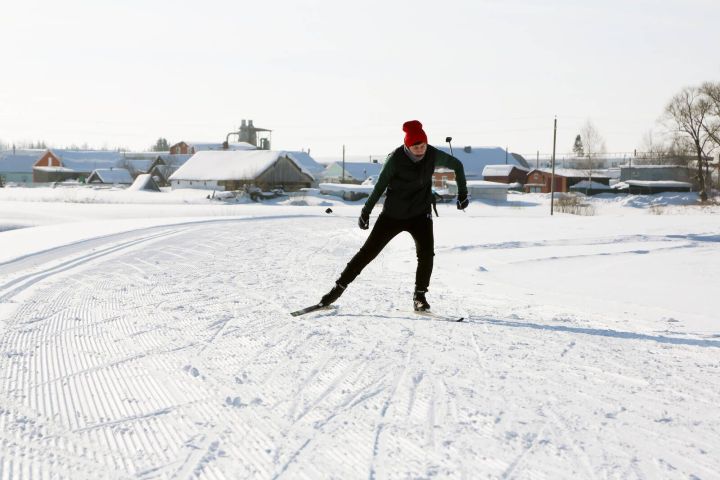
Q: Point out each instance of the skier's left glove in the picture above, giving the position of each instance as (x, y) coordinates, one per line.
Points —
(462, 201)
(364, 220)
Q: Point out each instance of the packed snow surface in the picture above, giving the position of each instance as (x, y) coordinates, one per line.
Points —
(148, 335)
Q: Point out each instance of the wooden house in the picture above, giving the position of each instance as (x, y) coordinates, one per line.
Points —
(539, 180)
(505, 174)
(235, 169)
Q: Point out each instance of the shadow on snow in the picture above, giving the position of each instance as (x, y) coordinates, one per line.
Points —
(601, 332)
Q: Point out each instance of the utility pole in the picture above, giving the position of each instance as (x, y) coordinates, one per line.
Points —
(552, 175)
(506, 154)
(537, 160)
(343, 168)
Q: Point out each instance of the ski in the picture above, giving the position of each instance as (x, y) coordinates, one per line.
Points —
(437, 316)
(311, 308)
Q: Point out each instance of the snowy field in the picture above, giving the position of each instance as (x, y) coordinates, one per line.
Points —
(147, 336)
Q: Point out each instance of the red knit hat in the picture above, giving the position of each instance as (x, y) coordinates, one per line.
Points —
(414, 133)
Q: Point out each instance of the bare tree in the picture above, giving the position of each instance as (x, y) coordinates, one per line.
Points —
(593, 145)
(593, 142)
(654, 151)
(690, 114)
(712, 92)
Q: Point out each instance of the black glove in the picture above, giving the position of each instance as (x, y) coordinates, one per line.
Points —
(462, 201)
(364, 220)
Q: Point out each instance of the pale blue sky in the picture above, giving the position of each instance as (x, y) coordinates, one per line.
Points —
(323, 73)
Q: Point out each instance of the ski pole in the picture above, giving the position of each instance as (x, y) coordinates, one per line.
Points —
(449, 140)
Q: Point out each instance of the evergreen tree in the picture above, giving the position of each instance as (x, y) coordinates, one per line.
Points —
(161, 145)
(578, 147)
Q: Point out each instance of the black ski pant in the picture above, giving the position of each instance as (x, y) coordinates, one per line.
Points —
(385, 229)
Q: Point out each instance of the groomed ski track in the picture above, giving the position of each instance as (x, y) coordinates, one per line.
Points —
(170, 353)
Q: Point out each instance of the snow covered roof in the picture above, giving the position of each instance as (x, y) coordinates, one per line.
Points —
(203, 146)
(53, 169)
(475, 159)
(144, 182)
(482, 184)
(175, 159)
(576, 173)
(307, 162)
(110, 175)
(21, 161)
(684, 167)
(88, 160)
(588, 185)
(232, 164)
(143, 155)
(500, 170)
(656, 183)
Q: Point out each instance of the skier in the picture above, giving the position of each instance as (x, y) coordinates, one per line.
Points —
(407, 176)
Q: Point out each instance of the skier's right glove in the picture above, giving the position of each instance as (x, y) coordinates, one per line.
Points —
(462, 201)
(364, 220)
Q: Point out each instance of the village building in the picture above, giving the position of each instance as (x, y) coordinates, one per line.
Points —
(139, 162)
(539, 180)
(511, 174)
(110, 176)
(16, 165)
(649, 187)
(482, 190)
(165, 165)
(588, 187)
(354, 172)
(59, 165)
(677, 173)
(236, 169)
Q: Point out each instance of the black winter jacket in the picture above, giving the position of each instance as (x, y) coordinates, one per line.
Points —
(409, 183)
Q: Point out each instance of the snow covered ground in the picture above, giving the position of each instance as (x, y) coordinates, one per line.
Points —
(147, 336)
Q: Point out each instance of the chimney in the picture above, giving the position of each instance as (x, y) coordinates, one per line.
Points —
(243, 136)
(252, 134)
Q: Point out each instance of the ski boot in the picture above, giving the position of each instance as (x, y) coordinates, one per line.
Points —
(332, 295)
(420, 304)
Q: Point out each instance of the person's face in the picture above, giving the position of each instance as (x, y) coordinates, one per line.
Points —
(419, 149)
